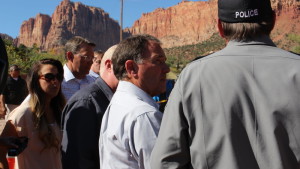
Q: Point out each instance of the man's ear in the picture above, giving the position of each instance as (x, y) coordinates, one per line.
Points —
(108, 64)
(220, 28)
(70, 56)
(131, 68)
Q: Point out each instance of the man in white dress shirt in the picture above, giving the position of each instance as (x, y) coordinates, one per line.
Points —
(132, 120)
(79, 55)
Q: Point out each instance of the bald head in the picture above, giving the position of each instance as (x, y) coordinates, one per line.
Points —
(106, 69)
(107, 56)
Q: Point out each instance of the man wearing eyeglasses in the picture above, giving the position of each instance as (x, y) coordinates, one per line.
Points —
(95, 68)
(79, 55)
(81, 119)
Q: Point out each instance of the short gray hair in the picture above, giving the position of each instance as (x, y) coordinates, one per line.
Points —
(75, 44)
(131, 48)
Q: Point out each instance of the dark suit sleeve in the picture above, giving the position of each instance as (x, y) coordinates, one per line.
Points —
(80, 136)
(3, 65)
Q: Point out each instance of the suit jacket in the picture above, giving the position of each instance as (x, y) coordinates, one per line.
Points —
(15, 91)
(81, 122)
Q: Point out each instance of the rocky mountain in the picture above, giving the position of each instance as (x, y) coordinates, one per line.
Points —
(287, 21)
(35, 30)
(192, 22)
(5, 36)
(188, 22)
(70, 19)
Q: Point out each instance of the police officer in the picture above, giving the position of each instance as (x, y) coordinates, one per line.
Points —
(239, 107)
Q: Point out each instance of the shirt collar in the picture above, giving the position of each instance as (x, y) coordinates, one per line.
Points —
(262, 40)
(68, 75)
(129, 87)
(92, 73)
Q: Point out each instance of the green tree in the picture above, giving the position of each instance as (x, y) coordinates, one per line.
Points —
(25, 57)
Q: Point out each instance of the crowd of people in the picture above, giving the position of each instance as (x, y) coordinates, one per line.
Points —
(236, 108)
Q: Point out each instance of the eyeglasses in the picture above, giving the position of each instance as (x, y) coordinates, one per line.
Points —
(86, 58)
(50, 77)
(98, 61)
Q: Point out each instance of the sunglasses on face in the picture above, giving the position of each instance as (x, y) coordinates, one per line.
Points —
(50, 77)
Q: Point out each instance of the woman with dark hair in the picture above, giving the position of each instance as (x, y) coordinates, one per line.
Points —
(39, 117)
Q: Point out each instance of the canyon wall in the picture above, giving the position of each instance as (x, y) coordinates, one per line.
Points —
(192, 22)
(70, 19)
(188, 22)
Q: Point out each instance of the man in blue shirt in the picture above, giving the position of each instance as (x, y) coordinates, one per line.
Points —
(79, 55)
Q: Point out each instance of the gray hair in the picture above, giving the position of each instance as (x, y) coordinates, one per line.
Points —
(131, 48)
(75, 44)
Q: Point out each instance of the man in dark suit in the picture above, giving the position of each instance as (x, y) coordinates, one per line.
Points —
(82, 116)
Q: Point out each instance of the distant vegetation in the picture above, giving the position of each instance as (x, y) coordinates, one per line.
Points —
(177, 57)
(290, 42)
(25, 56)
(295, 38)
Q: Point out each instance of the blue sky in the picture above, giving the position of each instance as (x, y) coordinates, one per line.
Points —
(14, 12)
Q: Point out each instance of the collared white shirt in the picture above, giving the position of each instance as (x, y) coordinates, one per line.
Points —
(70, 84)
(93, 75)
(129, 129)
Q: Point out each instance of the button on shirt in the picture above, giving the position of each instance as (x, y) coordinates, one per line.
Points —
(70, 84)
(129, 129)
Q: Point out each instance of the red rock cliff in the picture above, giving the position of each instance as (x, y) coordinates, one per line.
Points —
(185, 23)
(68, 20)
(287, 19)
(192, 22)
(35, 30)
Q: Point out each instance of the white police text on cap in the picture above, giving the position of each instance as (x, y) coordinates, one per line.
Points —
(246, 14)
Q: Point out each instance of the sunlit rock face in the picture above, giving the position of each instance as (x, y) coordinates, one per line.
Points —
(193, 22)
(70, 19)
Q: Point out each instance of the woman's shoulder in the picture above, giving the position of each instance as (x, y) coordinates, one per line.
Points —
(20, 113)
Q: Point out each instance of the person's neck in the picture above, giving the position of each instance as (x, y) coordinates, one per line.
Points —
(77, 75)
(47, 102)
(95, 70)
(49, 111)
(110, 83)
